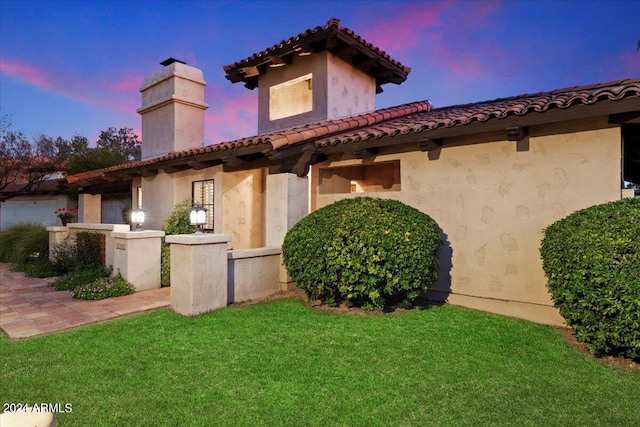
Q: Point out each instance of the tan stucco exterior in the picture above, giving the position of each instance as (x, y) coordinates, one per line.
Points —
(339, 90)
(238, 201)
(492, 203)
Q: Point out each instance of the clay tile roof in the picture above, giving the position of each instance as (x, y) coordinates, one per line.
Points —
(409, 121)
(399, 120)
(331, 37)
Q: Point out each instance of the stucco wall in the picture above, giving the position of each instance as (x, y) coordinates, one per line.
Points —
(243, 208)
(492, 203)
(339, 90)
(238, 201)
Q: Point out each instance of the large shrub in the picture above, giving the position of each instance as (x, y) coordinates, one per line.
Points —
(364, 252)
(592, 262)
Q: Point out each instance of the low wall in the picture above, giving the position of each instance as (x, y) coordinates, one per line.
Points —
(59, 235)
(253, 273)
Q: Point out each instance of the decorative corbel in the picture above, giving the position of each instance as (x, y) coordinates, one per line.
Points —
(428, 144)
(365, 153)
(517, 133)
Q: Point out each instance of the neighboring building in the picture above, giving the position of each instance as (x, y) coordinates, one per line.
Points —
(37, 205)
(492, 174)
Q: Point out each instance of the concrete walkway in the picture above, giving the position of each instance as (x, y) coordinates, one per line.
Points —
(29, 307)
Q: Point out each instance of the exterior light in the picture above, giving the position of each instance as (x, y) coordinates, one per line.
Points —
(137, 218)
(198, 217)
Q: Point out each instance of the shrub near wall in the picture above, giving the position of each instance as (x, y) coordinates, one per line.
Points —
(176, 223)
(592, 262)
(364, 252)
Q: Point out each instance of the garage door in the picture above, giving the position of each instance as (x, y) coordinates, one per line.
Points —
(38, 210)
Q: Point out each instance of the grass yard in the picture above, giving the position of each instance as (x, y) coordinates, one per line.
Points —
(279, 363)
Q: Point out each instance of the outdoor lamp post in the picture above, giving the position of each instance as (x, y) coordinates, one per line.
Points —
(198, 217)
(137, 218)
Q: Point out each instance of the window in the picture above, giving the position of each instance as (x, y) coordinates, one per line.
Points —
(290, 98)
(139, 197)
(202, 195)
(378, 177)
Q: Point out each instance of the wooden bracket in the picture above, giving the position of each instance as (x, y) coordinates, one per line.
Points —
(428, 144)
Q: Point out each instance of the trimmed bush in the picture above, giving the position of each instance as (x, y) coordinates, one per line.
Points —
(104, 287)
(592, 262)
(176, 223)
(364, 252)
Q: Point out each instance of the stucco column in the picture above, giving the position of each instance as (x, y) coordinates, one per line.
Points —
(287, 202)
(198, 272)
(57, 236)
(90, 208)
(137, 257)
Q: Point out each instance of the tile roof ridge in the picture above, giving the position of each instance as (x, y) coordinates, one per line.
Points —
(624, 83)
(325, 128)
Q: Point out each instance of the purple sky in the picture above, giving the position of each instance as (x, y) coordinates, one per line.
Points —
(75, 67)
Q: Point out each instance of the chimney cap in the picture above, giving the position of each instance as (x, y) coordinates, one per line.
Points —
(170, 61)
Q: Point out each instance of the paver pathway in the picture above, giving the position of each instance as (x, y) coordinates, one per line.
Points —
(29, 307)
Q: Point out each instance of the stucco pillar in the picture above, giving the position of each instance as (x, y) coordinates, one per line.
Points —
(198, 272)
(57, 236)
(137, 257)
(90, 208)
(287, 203)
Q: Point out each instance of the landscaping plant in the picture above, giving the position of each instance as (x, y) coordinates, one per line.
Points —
(24, 242)
(76, 279)
(592, 262)
(176, 223)
(104, 287)
(364, 252)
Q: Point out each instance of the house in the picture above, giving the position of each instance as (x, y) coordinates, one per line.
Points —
(38, 203)
(493, 174)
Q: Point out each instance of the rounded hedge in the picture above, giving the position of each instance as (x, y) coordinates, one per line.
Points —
(364, 252)
(592, 262)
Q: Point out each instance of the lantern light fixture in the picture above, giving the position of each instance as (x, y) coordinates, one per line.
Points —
(137, 219)
(198, 217)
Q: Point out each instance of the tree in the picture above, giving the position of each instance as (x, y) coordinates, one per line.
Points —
(114, 147)
(24, 164)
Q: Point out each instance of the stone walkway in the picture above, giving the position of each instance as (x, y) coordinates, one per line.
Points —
(29, 307)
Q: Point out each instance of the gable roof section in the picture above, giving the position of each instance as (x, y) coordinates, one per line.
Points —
(332, 37)
(294, 149)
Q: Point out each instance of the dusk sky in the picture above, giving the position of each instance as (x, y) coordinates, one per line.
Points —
(75, 67)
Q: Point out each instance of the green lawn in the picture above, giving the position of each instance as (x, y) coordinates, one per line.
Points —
(280, 363)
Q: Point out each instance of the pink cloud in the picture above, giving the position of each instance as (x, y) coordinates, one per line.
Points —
(130, 83)
(28, 74)
(441, 32)
(120, 94)
(405, 31)
(230, 116)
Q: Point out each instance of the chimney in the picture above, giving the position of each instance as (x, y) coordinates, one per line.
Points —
(172, 109)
